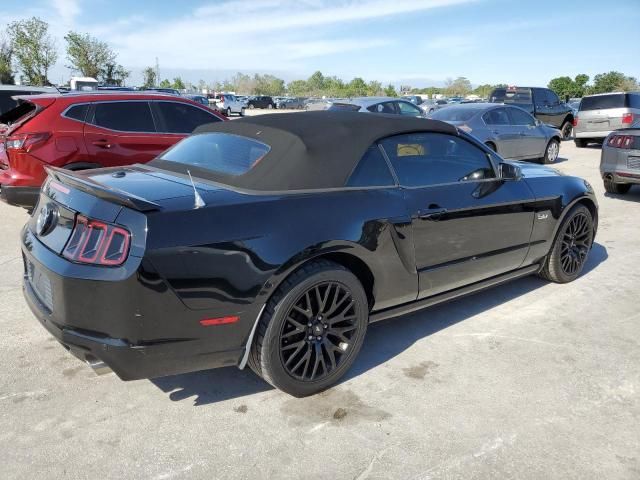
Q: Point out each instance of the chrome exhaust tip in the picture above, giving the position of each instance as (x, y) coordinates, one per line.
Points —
(98, 366)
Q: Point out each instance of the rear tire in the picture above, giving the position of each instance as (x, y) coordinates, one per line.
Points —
(617, 188)
(251, 106)
(551, 152)
(269, 107)
(580, 142)
(316, 320)
(242, 112)
(571, 247)
(567, 130)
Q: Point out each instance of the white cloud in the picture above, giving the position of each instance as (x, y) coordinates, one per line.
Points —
(67, 10)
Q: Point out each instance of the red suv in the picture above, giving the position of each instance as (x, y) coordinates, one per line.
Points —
(89, 130)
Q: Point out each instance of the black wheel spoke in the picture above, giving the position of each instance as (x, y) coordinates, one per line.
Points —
(575, 243)
(317, 330)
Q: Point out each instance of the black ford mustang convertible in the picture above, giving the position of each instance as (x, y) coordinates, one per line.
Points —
(273, 241)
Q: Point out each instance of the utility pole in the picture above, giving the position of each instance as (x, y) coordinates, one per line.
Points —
(157, 72)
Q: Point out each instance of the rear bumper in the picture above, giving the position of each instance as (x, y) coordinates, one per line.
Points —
(26, 197)
(107, 321)
(595, 134)
(620, 165)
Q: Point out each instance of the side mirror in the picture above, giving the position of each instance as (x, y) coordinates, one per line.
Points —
(510, 172)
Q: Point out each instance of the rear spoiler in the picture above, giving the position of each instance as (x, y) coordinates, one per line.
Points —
(119, 197)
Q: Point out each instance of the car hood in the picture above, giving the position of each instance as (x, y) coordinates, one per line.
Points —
(531, 170)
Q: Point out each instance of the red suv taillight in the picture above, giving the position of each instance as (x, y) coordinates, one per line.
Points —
(620, 141)
(25, 141)
(575, 121)
(97, 243)
(627, 118)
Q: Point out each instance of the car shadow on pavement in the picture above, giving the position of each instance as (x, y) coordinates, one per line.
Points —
(385, 340)
(632, 196)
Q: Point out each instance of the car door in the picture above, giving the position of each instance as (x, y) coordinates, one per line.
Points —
(504, 135)
(557, 110)
(467, 224)
(178, 119)
(543, 109)
(531, 137)
(121, 133)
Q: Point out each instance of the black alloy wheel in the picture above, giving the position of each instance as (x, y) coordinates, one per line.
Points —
(571, 246)
(566, 130)
(576, 242)
(318, 330)
(311, 329)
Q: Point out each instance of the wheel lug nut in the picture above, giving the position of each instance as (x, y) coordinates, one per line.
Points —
(309, 325)
(310, 337)
(325, 325)
(318, 337)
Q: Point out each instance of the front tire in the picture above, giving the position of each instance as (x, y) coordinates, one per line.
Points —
(251, 106)
(311, 329)
(228, 112)
(242, 112)
(616, 188)
(566, 129)
(571, 247)
(551, 152)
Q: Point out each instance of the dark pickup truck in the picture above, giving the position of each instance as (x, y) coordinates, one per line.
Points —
(542, 103)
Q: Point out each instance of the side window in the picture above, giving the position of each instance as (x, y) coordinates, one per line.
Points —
(405, 108)
(497, 116)
(424, 159)
(182, 118)
(540, 97)
(520, 117)
(553, 98)
(78, 112)
(371, 171)
(633, 100)
(124, 116)
(386, 107)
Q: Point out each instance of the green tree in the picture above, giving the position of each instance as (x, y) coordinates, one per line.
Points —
(297, 88)
(356, 88)
(178, 84)
(374, 88)
(165, 84)
(460, 86)
(580, 83)
(114, 74)
(34, 49)
(149, 77)
(6, 58)
(562, 86)
(268, 85)
(611, 82)
(483, 91)
(91, 57)
(316, 83)
(390, 91)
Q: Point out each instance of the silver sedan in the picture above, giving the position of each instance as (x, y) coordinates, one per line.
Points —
(509, 130)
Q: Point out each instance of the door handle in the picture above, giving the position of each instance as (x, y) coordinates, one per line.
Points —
(434, 212)
(102, 143)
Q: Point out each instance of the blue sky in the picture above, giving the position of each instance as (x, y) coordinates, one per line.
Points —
(415, 42)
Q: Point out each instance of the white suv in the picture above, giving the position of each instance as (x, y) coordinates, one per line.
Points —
(227, 104)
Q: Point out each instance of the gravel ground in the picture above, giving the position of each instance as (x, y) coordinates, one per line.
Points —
(529, 380)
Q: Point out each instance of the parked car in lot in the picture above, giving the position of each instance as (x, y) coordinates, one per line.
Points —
(228, 104)
(7, 92)
(599, 115)
(620, 159)
(88, 130)
(506, 129)
(170, 91)
(542, 103)
(260, 101)
(430, 105)
(201, 99)
(294, 103)
(243, 266)
(378, 105)
(415, 99)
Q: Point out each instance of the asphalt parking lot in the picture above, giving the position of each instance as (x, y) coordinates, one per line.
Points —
(529, 380)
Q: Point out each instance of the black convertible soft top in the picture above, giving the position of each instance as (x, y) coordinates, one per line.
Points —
(312, 150)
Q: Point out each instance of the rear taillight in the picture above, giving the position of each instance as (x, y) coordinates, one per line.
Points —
(97, 243)
(620, 141)
(575, 121)
(25, 141)
(627, 118)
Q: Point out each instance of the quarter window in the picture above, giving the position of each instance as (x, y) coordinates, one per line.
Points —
(424, 159)
(386, 107)
(182, 117)
(124, 116)
(77, 112)
(372, 170)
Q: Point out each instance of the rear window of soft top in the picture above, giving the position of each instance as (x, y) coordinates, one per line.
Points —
(220, 153)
